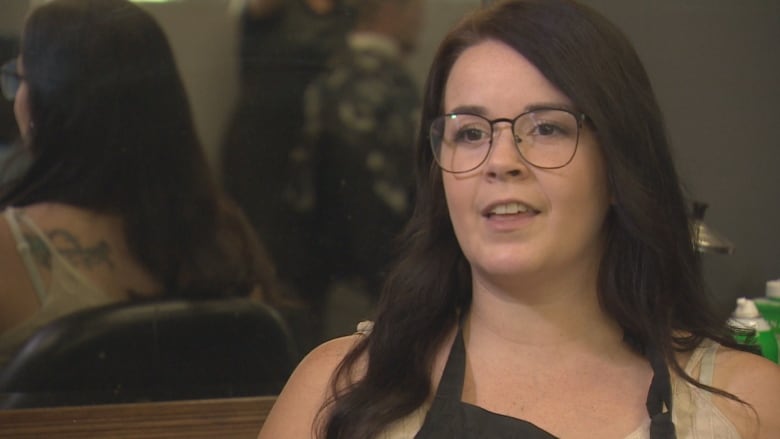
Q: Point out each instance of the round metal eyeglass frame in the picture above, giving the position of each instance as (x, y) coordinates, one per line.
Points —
(10, 80)
(579, 118)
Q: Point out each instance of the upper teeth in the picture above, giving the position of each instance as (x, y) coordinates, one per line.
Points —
(509, 209)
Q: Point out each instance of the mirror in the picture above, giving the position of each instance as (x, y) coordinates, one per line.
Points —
(718, 91)
(213, 46)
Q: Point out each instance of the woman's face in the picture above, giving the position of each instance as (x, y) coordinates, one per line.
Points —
(558, 228)
(22, 104)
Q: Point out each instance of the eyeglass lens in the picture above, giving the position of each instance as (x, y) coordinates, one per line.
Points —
(545, 138)
(10, 80)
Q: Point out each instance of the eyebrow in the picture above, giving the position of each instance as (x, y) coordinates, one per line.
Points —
(482, 111)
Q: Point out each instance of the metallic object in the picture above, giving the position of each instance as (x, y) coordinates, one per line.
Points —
(706, 239)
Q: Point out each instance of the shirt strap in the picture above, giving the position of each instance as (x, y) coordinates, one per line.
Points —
(23, 247)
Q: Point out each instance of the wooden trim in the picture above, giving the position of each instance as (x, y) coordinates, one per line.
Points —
(228, 418)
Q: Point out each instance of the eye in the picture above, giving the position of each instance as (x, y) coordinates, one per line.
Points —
(548, 129)
(471, 135)
(547, 125)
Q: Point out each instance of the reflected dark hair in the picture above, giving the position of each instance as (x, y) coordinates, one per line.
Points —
(9, 45)
(113, 132)
(649, 281)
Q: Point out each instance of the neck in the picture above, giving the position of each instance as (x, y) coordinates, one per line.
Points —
(543, 314)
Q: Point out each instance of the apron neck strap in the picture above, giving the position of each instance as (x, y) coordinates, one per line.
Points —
(659, 397)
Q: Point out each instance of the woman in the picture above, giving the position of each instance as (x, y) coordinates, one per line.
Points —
(118, 202)
(549, 286)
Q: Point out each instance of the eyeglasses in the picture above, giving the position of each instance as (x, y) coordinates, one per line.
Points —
(10, 80)
(545, 138)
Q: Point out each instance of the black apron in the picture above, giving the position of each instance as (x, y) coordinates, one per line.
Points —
(450, 418)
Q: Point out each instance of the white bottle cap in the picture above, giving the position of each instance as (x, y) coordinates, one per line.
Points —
(773, 289)
(746, 316)
(746, 309)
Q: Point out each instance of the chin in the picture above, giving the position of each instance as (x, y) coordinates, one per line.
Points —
(509, 265)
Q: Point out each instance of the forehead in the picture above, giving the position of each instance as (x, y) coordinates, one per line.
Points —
(493, 75)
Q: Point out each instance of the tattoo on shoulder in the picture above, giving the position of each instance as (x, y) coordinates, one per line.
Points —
(70, 247)
(77, 254)
(39, 250)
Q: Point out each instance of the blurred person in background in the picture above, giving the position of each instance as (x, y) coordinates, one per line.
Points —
(284, 45)
(351, 172)
(118, 202)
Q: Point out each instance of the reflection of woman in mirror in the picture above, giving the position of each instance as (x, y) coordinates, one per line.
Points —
(550, 287)
(118, 202)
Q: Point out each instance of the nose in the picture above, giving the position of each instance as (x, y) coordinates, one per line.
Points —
(504, 160)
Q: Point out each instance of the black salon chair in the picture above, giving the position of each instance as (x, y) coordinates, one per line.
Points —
(152, 351)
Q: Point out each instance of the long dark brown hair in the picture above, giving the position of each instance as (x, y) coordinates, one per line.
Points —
(112, 132)
(649, 278)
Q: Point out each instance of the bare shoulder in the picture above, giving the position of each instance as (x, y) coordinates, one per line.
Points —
(8, 250)
(756, 381)
(8, 254)
(17, 296)
(297, 407)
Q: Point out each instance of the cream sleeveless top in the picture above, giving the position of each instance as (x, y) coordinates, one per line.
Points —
(68, 290)
(694, 414)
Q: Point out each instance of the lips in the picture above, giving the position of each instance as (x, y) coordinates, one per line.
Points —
(508, 208)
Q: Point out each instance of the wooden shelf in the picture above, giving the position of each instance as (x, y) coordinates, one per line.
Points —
(211, 418)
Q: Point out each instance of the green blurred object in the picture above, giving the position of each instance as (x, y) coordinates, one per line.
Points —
(753, 329)
(769, 307)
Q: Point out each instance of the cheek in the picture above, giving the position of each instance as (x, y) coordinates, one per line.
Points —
(586, 197)
(453, 195)
(22, 110)
(459, 201)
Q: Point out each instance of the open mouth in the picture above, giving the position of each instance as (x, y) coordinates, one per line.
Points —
(509, 209)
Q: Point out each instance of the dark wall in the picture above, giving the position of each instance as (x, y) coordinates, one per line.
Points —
(715, 66)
